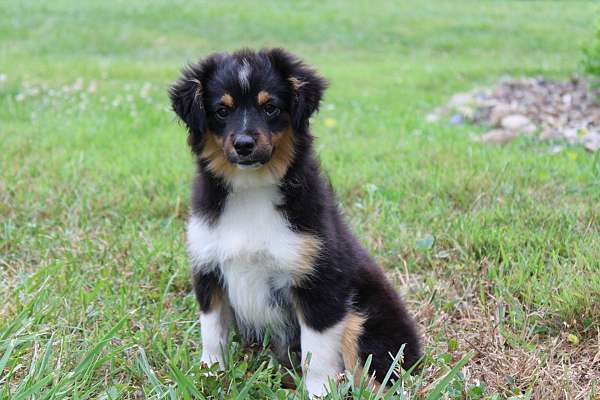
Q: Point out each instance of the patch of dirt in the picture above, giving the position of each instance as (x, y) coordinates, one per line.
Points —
(563, 111)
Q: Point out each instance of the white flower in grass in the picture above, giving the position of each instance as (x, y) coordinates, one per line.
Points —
(78, 85)
(145, 91)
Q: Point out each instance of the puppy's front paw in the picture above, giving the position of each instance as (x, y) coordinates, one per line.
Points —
(316, 387)
(210, 359)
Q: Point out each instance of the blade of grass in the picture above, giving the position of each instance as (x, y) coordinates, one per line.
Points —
(26, 392)
(389, 373)
(149, 372)
(7, 353)
(244, 392)
(184, 382)
(95, 351)
(437, 391)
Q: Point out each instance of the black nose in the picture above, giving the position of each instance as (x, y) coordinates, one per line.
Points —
(244, 145)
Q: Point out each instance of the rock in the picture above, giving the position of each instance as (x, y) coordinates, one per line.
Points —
(570, 134)
(567, 112)
(499, 136)
(466, 111)
(516, 122)
(591, 141)
(460, 99)
(550, 134)
(498, 112)
(529, 128)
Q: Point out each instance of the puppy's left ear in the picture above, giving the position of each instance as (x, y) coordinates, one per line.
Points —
(187, 98)
(306, 85)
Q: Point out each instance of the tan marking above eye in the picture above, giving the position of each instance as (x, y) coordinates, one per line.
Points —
(263, 97)
(227, 100)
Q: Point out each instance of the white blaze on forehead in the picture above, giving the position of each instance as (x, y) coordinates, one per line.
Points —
(244, 75)
(245, 120)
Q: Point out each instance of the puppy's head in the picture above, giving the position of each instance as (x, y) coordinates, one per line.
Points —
(247, 110)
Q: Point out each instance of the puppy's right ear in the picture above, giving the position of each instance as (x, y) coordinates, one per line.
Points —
(187, 98)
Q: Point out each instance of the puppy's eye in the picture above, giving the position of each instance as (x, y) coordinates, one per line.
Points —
(271, 110)
(222, 113)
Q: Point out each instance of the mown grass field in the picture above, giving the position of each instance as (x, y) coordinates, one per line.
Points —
(94, 184)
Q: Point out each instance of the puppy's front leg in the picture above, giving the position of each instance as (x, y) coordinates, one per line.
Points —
(215, 315)
(325, 349)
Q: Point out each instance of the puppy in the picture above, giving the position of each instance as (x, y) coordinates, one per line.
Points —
(267, 243)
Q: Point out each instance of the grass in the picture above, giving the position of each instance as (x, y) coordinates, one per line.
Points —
(496, 250)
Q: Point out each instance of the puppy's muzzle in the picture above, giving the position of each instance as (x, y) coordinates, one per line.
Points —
(244, 146)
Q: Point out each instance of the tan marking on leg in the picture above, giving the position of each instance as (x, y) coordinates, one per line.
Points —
(352, 331)
(227, 100)
(217, 299)
(225, 310)
(215, 324)
(263, 97)
(309, 250)
(296, 83)
(220, 301)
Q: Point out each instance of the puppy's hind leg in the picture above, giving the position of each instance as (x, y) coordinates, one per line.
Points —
(325, 349)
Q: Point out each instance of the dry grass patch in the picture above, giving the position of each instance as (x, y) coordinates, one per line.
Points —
(509, 360)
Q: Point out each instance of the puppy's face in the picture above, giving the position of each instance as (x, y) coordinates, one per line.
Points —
(247, 110)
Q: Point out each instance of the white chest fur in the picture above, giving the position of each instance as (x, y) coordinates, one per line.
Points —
(255, 249)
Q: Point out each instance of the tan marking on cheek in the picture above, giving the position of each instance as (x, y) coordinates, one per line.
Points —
(296, 83)
(263, 97)
(283, 153)
(227, 100)
(213, 151)
(262, 140)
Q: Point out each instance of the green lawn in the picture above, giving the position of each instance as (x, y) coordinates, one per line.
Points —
(95, 173)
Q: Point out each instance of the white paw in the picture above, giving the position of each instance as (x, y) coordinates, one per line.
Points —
(210, 359)
(317, 387)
